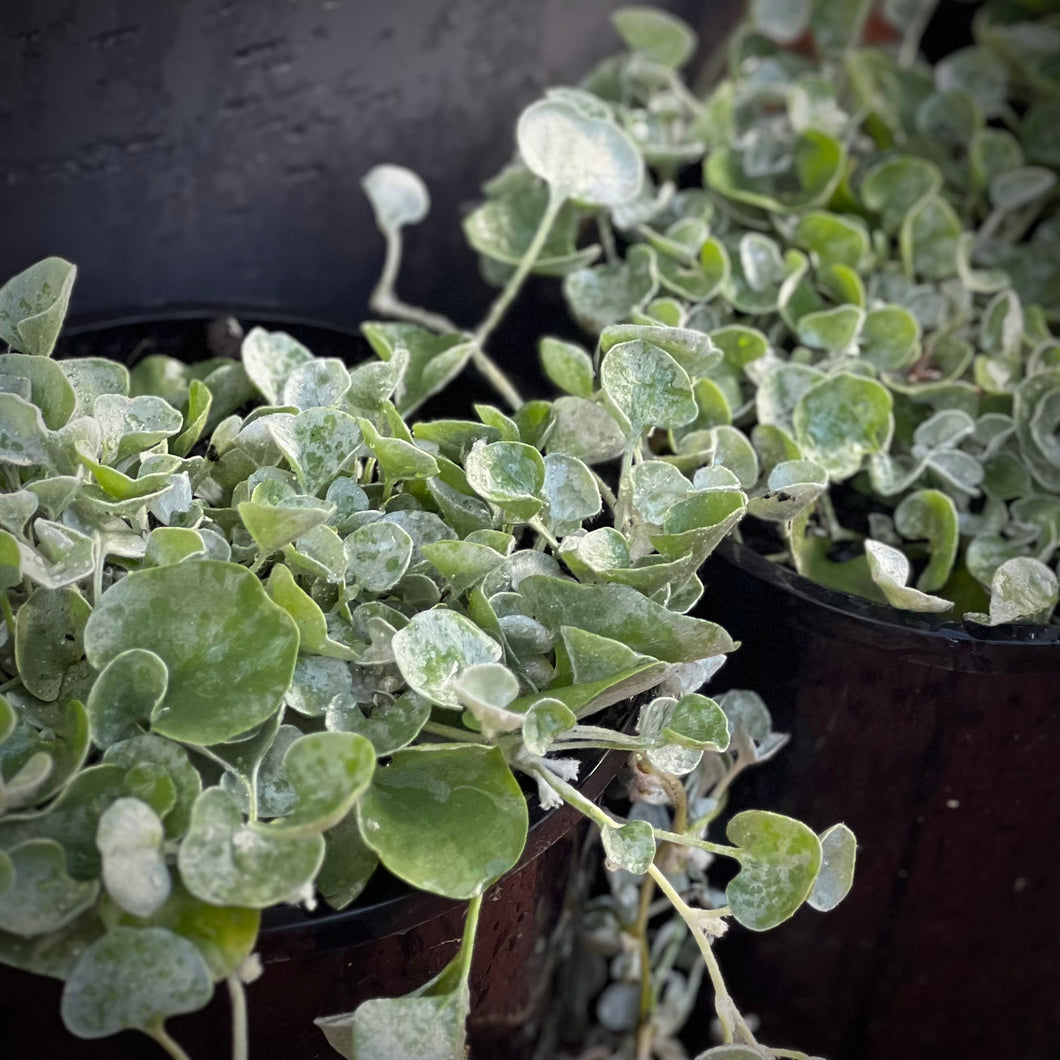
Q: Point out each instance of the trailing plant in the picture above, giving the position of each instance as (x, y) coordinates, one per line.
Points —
(870, 244)
(264, 630)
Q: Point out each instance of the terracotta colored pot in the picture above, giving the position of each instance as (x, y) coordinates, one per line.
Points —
(937, 743)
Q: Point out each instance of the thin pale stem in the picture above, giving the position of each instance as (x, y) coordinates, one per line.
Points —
(723, 1003)
(522, 270)
(572, 795)
(9, 615)
(914, 31)
(622, 510)
(694, 841)
(159, 1034)
(493, 374)
(607, 236)
(238, 999)
(537, 525)
(452, 733)
(647, 996)
(384, 298)
(467, 946)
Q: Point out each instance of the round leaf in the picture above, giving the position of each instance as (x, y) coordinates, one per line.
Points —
(129, 836)
(447, 819)
(224, 861)
(779, 861)
(41, 896)
(647, 386)
(841, 419)
(230, 651)
(398, 196)
(435, 648)
(510, 474)
(631, 847)
(125, 694)
(134, 978)
(584, 158)
(329, 772)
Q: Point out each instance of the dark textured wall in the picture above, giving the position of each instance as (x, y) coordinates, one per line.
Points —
(209, 151)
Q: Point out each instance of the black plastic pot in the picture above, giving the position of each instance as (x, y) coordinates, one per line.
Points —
(392, 939)
(937, 743)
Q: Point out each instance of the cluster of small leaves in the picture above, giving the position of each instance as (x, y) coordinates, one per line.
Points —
(261, 635)
(845, 262)
(652, 965)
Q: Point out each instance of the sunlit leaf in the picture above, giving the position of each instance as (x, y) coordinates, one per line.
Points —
(465, 799)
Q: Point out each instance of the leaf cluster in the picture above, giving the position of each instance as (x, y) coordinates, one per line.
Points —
(866, 244)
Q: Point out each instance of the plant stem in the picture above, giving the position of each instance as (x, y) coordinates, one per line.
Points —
(384, 298)
(9, 615)
(467, 945)
(695, 841)
(723, 1003)
(536, 524)
(622, 513)
(573, 796)
(238, 999)
(522, 270)
(914, 31)
(452, 733)
(647, 1000)
(675, 790)
(493, 374)
(607, 236)
(158, 1032)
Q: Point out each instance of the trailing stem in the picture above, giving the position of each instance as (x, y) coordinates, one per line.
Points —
(733, 1026)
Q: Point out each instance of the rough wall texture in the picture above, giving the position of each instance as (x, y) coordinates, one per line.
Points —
(190, 151)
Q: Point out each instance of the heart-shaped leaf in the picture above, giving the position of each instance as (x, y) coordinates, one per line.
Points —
(230, 651)
(224, 861)
(779, 862)
(134, 978)
(436, 647)
(588, 159)
(448, 819)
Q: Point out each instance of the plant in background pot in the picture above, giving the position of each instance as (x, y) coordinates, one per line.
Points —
(265, 630)
(870, 241)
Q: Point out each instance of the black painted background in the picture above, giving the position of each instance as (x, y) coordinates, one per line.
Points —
(209, 151)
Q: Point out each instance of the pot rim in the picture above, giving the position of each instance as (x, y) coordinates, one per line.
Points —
(883, 618)
(80, 324)
(294, 932)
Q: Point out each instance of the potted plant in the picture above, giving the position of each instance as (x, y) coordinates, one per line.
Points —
(265, 629)
(870, 243)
